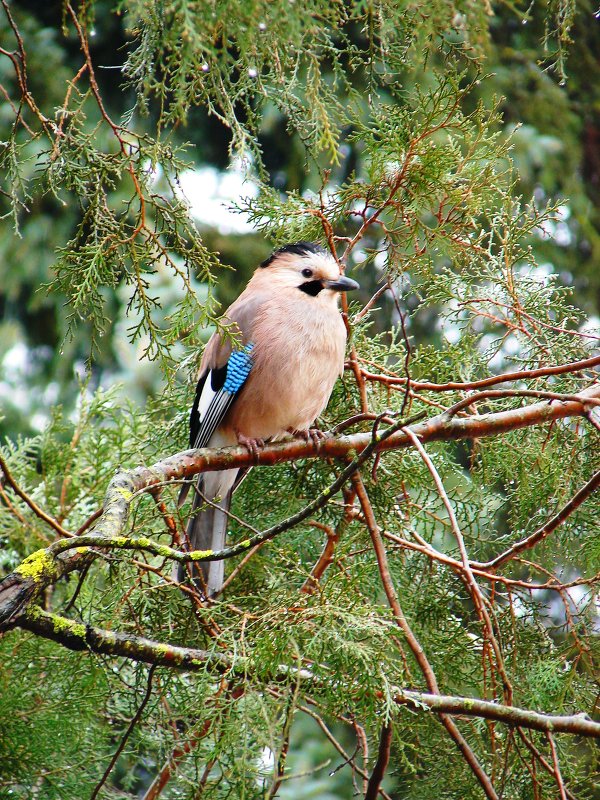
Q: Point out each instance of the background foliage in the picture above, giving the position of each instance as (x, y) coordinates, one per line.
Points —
(449, 154)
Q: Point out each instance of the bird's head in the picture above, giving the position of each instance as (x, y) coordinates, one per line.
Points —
(307, 268)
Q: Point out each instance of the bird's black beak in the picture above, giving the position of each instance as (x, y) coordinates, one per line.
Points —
(341, 284)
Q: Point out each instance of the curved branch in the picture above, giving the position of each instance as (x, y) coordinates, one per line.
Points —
(518, 375)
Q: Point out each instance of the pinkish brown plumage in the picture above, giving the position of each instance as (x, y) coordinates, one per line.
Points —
(288, 314)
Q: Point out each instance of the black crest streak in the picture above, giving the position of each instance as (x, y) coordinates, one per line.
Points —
(297, 249)
(311, 287)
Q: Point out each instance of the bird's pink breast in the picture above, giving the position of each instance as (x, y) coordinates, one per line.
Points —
(297, 358)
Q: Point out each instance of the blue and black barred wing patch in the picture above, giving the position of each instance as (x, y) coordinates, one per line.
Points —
(216, 392)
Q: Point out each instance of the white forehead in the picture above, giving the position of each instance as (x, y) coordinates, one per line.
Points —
(322, 264)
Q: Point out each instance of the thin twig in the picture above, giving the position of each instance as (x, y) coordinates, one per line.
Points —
(333, 537)
(89, 521)
(557, 774)
(348, 759)
(407, 347)
(546, 529)
(134, 721)
(470, 581)
(520, 375)
(501, 393)
(537, 755)
(179, 752)
(32, 505)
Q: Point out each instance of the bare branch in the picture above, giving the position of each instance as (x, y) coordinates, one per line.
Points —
(520, 375)
(348, 759)
(557, 774)
(383, 757)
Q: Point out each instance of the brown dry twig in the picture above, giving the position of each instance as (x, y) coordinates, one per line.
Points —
(49, 520)
(518, 375)
(411, 639)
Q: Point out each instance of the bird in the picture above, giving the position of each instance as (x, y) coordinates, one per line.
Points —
(270, 376)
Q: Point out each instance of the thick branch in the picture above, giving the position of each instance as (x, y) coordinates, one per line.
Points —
(19, 589)
(77, 636)
(22, 586)
(439, 428)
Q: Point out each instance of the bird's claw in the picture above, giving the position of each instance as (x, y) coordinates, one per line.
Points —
(253, 446)
(313, 435)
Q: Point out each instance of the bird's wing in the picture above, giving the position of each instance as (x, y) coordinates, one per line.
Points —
(223, 372)
(217, 389)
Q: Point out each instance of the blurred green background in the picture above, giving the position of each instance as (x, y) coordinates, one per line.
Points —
(555, 127)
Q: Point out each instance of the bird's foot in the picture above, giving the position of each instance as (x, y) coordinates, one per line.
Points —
(313, 435)
(252, 445)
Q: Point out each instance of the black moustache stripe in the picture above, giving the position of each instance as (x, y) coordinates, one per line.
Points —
(311, 287)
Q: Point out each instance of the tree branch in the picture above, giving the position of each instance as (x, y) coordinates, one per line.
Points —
(78, 636)
(577, 724)
(5, 476)
(37, 571)
(189, 463)
(19, 589)
(467, 573)
(383, 757)
(454, 386)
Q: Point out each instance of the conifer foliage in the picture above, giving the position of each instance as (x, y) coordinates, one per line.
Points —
(410, 609)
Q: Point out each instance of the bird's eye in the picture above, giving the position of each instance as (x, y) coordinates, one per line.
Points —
(308, 273)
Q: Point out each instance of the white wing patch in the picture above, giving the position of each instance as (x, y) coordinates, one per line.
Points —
(206, 397)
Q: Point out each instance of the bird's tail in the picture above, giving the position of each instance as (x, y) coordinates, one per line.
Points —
(207, 529)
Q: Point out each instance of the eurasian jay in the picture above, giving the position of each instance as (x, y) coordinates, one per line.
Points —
(275, 377)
